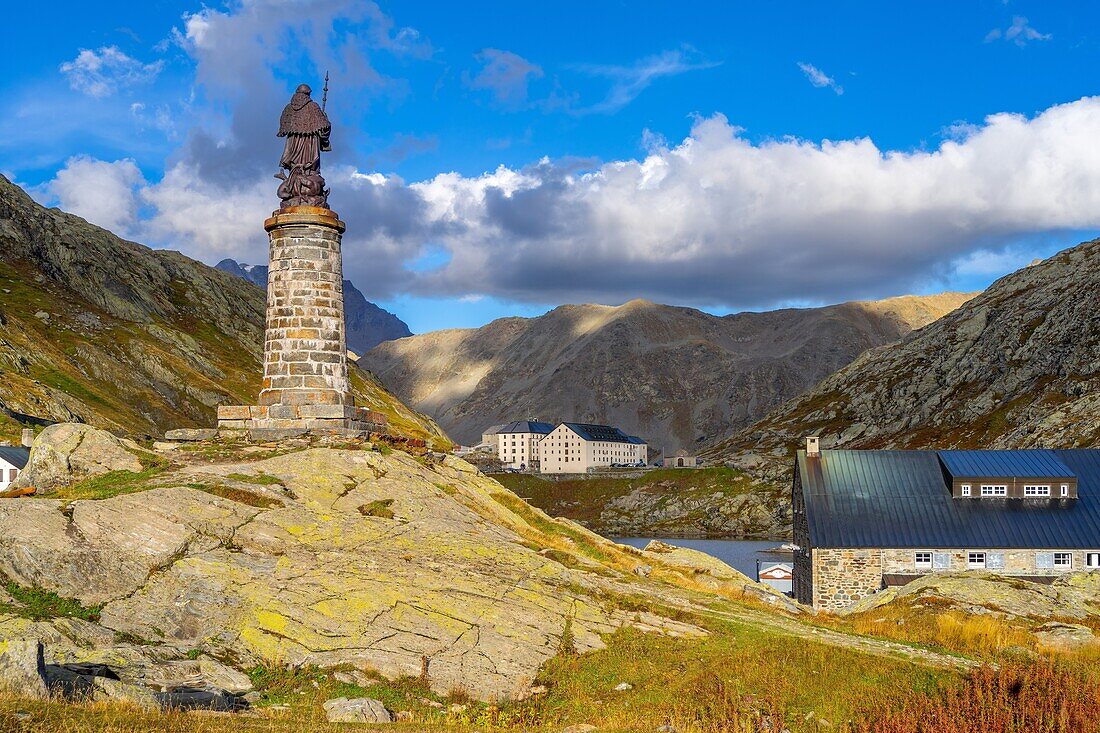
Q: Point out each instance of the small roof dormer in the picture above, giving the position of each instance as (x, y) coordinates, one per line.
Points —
(1007, 474)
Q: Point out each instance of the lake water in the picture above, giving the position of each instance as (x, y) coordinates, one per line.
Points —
(739, 554)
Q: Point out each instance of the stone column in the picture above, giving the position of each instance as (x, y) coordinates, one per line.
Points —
(305, 357)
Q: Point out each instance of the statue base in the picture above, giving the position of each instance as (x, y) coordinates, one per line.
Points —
(320, 418)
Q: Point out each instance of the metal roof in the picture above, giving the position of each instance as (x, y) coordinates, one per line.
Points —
(600, 433)
(635, 440)
(1004, 463)
(526, 426)
(15, 455)
(900, 499)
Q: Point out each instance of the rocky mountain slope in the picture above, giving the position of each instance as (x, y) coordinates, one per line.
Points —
(97, 329)
(1016, 367)
(675, 376)
(367, 325)
(705, 502)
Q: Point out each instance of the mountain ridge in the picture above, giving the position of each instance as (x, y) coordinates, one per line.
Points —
(1016, 367)
(653, 369)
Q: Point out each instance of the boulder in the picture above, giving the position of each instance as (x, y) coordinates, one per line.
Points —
(1065, 636)
(105, 688)
(65, 453)
(23, 669)
(356, 710)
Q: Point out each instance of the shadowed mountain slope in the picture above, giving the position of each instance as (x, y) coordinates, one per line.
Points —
(1016, 367)
(675, 376)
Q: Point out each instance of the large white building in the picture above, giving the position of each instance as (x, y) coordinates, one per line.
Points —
(578, 447)
(517, 443)
(12, 461)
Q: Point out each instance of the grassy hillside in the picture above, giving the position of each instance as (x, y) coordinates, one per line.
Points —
(100, 330)
(712, 501)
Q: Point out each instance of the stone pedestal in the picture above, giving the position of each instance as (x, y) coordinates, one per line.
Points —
(305, 383)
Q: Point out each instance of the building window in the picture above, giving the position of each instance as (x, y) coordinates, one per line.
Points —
(975, 560)
(1044, 560)
(1092, 560)
(995, 561)
(1065, 489)
(966, 489)
(941, 560)
(1063, 559)
(923, 560)
(1036, 491)
(995, 490)
(13, 473)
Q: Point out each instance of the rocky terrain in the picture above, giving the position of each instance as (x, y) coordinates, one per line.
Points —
(97, 329)
(705, 502)
(322, 553)
(367, 325)
(675, 376)
(1016, 367)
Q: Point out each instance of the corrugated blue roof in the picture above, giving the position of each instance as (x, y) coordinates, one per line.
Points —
(601, 433)
(15, 455)
(1004, 463)
(526, 426)
(635, 440)
(900, 499)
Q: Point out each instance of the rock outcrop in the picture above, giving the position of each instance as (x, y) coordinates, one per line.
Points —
(1072, 596)
(328, 557)
(1016, 367)
(675, 376)
(100, 330)
(69, 452)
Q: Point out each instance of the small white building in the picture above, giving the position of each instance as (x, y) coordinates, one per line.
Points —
(579, 447)
(682, 459)
(12, 460)
(517, 442)
(779, 575)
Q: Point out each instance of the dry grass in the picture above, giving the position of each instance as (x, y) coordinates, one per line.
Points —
(935, 624)
(1037, 698)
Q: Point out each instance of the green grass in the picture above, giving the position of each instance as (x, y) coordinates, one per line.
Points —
(38, 605)
(262, 479)
(724, 682)
(379, 508)
(108, 485)
(241, 496)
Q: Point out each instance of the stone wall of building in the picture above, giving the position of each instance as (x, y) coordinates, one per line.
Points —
(1016, 562)
(305, 360)
(843, 576)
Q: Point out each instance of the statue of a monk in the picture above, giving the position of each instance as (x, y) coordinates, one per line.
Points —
(306, 129)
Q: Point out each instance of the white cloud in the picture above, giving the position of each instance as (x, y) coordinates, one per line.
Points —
(101, 73)
(715, 220)
(819, 78)
(1020, 32)
(104, 193)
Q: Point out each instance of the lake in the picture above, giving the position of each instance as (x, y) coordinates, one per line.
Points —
(739, 554)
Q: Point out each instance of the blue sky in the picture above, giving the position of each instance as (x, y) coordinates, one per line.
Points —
(501, 158)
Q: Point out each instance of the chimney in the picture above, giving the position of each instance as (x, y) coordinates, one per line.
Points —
(28, 437)
(813, 447)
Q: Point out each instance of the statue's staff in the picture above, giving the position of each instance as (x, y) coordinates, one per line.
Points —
(324, 93)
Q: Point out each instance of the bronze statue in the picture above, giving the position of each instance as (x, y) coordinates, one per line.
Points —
(306, 128)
